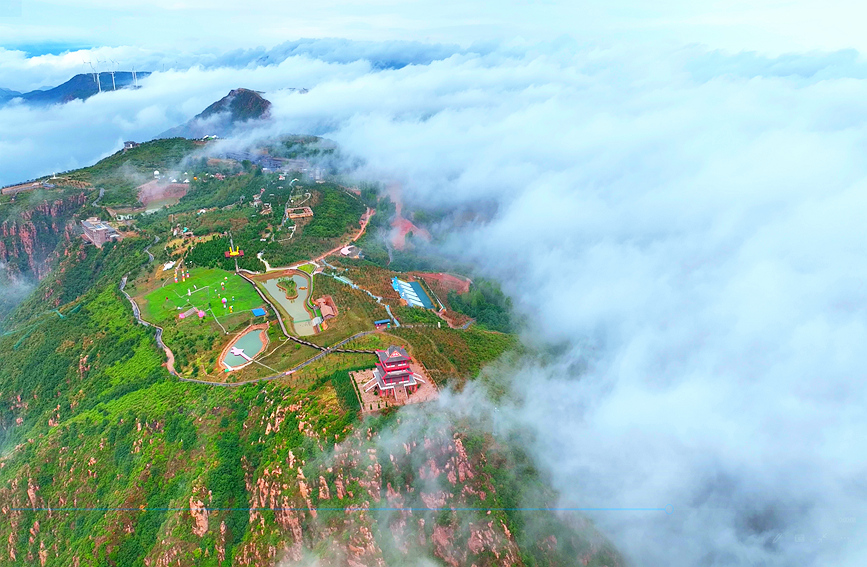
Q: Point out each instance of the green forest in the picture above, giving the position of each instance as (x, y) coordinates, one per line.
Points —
(486, 303)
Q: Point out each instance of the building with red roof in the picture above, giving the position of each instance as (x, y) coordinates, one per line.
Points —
(393, 371)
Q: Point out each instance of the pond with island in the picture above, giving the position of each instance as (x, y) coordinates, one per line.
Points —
(302, 318)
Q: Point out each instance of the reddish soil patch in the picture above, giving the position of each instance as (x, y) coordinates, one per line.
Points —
(454, 319)
(444, 282)
(402, 227)
(156, 190)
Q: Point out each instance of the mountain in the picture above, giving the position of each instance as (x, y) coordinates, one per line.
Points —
(80, 87)
(223, 118)
(121, 444)
(6, 94)
(241, 104)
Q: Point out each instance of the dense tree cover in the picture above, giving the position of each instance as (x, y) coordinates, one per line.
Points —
(180, 428)
(207, 192)
(146, 157)
(289, 286)
(212, 254)
(302, 147)
(335, 214)
(341, 381)
(83, 267)
(226, 480)
(486, 303)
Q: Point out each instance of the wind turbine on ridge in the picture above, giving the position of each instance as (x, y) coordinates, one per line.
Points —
(95, 75)
(113, 85)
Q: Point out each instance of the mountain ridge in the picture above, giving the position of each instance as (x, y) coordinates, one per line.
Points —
(79, 87)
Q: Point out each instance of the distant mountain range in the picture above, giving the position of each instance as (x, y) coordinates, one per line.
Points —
(223, 118)
(79, 87)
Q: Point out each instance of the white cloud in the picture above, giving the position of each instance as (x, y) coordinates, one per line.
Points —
(699, 242)
(771, 26)
(689, 223)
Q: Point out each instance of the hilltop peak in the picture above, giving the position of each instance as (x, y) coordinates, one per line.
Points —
(224, 117)
(241, 104)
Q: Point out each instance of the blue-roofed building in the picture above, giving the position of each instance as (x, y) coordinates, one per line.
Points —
(412, 293)
(259, 312)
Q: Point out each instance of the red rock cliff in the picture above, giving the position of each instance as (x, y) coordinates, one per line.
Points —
(30, 241)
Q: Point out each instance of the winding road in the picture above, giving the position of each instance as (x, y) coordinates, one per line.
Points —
(170, 356)
(323, 351)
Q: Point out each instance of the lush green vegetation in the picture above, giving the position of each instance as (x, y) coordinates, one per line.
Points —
(342, 384)
(337, 213)
(298, 147)
(452, 353)
(212, 254)
(94, 428)
(486, 303)
(121, 173)
(206, 192)
(288, 285)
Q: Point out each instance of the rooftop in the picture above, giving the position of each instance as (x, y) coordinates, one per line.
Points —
(392, 354)
(94, 223)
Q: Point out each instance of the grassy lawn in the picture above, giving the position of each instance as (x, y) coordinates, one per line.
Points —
(196, 342)
(204, 286)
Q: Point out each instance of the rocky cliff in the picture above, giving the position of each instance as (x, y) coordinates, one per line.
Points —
(31, 240)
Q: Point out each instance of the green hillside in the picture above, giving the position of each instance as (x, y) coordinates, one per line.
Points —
(107, 459)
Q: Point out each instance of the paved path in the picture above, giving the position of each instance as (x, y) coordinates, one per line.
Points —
(170, 356)
(324, 352)
(148, 249)
(376, 297)
(365, 219)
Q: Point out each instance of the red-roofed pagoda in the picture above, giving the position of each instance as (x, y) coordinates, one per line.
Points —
(393, 371)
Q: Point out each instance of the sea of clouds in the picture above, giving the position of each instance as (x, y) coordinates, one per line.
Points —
(686, 226)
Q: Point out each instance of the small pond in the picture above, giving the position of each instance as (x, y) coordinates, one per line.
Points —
(251, 343)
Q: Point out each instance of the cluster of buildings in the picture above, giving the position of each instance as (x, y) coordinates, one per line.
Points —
(299, 212)
(99, 232)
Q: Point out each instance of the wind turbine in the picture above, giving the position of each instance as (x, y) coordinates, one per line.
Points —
(95, 76)
(134, 79)
(98, 62)
(113, 85)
